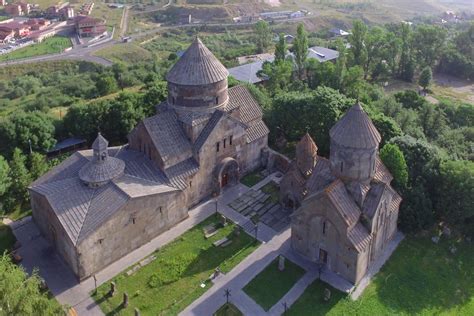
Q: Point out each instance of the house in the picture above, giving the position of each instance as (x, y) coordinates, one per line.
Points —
(18, 8)
(248, 72)
(19, 29)
(338, 32)
(6, 36)
(101, 204)
(90, 27)
(344, 209)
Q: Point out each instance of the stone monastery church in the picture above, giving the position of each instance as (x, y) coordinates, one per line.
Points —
(101, 204)
(345, 209)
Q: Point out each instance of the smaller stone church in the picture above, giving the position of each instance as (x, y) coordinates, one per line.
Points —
(344, 209)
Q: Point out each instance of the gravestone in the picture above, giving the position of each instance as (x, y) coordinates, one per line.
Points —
(113, 289)
(223, 220)
(327, 294)
(281, 263)
(125, 300)
(237, 230)
(137, 312)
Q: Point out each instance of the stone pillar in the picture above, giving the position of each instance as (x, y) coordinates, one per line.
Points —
(137, 312)
(281, 263)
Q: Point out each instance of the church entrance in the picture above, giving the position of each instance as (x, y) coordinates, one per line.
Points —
(227, 173)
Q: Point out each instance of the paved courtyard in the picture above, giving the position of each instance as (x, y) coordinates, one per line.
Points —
(262, 204)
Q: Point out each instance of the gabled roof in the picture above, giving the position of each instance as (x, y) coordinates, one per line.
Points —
(207, 130)
(359, 236)
(343, 202)
(100, 143)
(306, 152)
(256, 131)
(197, 66)
(355, 129)
(168, 137)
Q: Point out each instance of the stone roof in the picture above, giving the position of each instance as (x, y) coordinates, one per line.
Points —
(197, 66)
(342, 201)
(82, 209)
(306, 152)
(207, 130)
(321, 176)
(250, 110)
(355, 129)
(100, 143)
(168, 137)
(256, 131)
(359, 237)
(381, 172)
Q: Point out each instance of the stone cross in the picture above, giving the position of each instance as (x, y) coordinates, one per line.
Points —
(113, 289)
(137, 312)
(125, 300)
(281, 263)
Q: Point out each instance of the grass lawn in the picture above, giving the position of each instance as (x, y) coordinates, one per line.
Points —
(270, 285)
(421, 278)
(252, 178)
(171, 282)
(228, 310)
(7, 239)
(52, 45)
(128, 53)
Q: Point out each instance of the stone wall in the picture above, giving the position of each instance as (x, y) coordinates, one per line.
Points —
(141, 220)
(52, 230)
(352, 164)
(211, 95)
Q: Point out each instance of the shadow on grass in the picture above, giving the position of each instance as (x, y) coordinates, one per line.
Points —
(421, 275)
(312, 301)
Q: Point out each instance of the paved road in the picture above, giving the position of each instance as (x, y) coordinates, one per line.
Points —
(79, 53)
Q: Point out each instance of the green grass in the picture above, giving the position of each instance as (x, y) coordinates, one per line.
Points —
(127, 53)
(228, 310)
(52, 45)
(252, 178)
(421, 278)
(270, 285)
(7, 239)
(172, 281)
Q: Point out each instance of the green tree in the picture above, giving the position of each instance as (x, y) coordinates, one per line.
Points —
(454, 202)
(106, 85)
(428, 43)
(407, 63)
(387, 127)
(18, 192)
(278, 74)
(394, 160)
(263, 36)
(21, 129)
(295, 113)
(425, 77)
(21, 294)
(300, 48)
(38, 165)
(357, 40)
(281, 48)
(374, 44)
(155, 93)
(5, 180)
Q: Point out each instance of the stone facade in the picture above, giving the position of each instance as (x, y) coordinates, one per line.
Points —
(345, 211)
(101, 204)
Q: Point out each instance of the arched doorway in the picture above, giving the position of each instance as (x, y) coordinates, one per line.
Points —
(227, 173)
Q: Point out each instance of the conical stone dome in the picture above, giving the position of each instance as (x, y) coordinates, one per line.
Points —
(306, 154)
(197, 66)
(101, 168)
(356, 130)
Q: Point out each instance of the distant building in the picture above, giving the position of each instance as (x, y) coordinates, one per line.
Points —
(37, 24)
(248, 72)
(19, 29)
(61, 11)
(18, 8)
(6, 36)
(89, 27)
(3, 2)
(338, 32)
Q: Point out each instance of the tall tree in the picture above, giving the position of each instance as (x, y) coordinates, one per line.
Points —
(374, 43)
(357, 40)
(407, 64)
(300, 48)
(18, 192)
(38, 165)
(21, 294)
(394, 160)
(263, 36)
(5, 180)
(281, 48)
(454, 202)
(278, 74)
(428, 42)
(425, 77)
